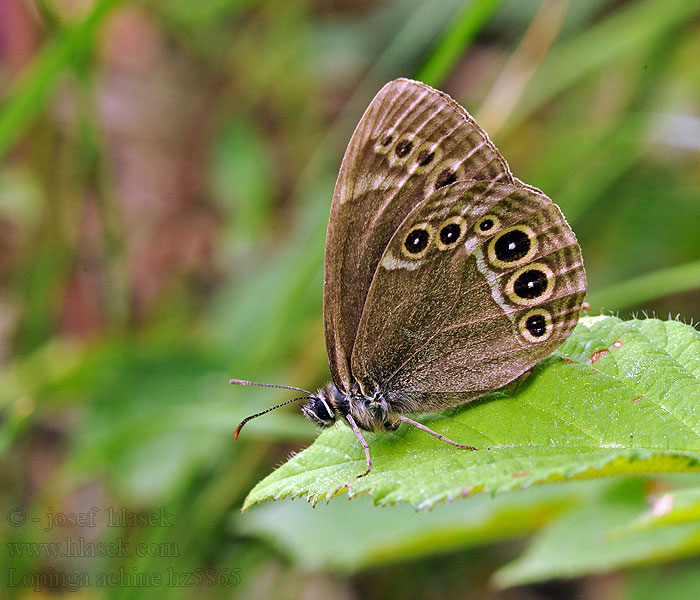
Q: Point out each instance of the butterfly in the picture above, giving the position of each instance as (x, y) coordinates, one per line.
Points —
(445, 276)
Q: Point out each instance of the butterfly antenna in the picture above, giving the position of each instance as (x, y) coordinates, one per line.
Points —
(267, 410)
(283, 387)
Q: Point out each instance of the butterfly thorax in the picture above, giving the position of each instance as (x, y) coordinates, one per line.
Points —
(371, 413)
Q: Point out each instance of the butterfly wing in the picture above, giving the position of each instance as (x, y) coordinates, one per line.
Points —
(411, 141)
(480, 282)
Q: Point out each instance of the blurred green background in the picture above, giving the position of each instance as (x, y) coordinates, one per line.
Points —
(164, 190)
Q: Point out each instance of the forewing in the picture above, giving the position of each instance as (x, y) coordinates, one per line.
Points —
(411, 141)
(479, 283)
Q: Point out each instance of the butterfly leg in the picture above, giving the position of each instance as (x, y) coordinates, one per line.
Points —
(439, 436)
(358, 433)
(364, 444)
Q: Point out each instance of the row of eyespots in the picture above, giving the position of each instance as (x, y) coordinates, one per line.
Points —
(514, 247)
(417, 241)
(403, 147)
(424, 156)
(511, 248)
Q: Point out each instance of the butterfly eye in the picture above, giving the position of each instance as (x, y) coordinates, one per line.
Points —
(487, 224)
(318, 411)
(322, 410)
(513, 247)
(450, 232)
(536, 325)
(417, 240)
(530, 284)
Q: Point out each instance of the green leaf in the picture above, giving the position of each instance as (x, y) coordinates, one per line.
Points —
(670, 508)
(349, 536)
(586, 540)
(617, 398)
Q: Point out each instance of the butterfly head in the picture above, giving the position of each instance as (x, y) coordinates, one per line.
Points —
(328, 404)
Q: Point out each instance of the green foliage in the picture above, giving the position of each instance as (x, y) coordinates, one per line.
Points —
(30, 95)
(584, 527)
(453, 43)
(680, 582)
(619, 397)
(118, 331)
(598, 544)
(627, 33)
(319, 537)
(242, 180)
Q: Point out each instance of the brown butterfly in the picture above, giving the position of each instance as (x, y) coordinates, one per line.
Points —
(445, 276)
